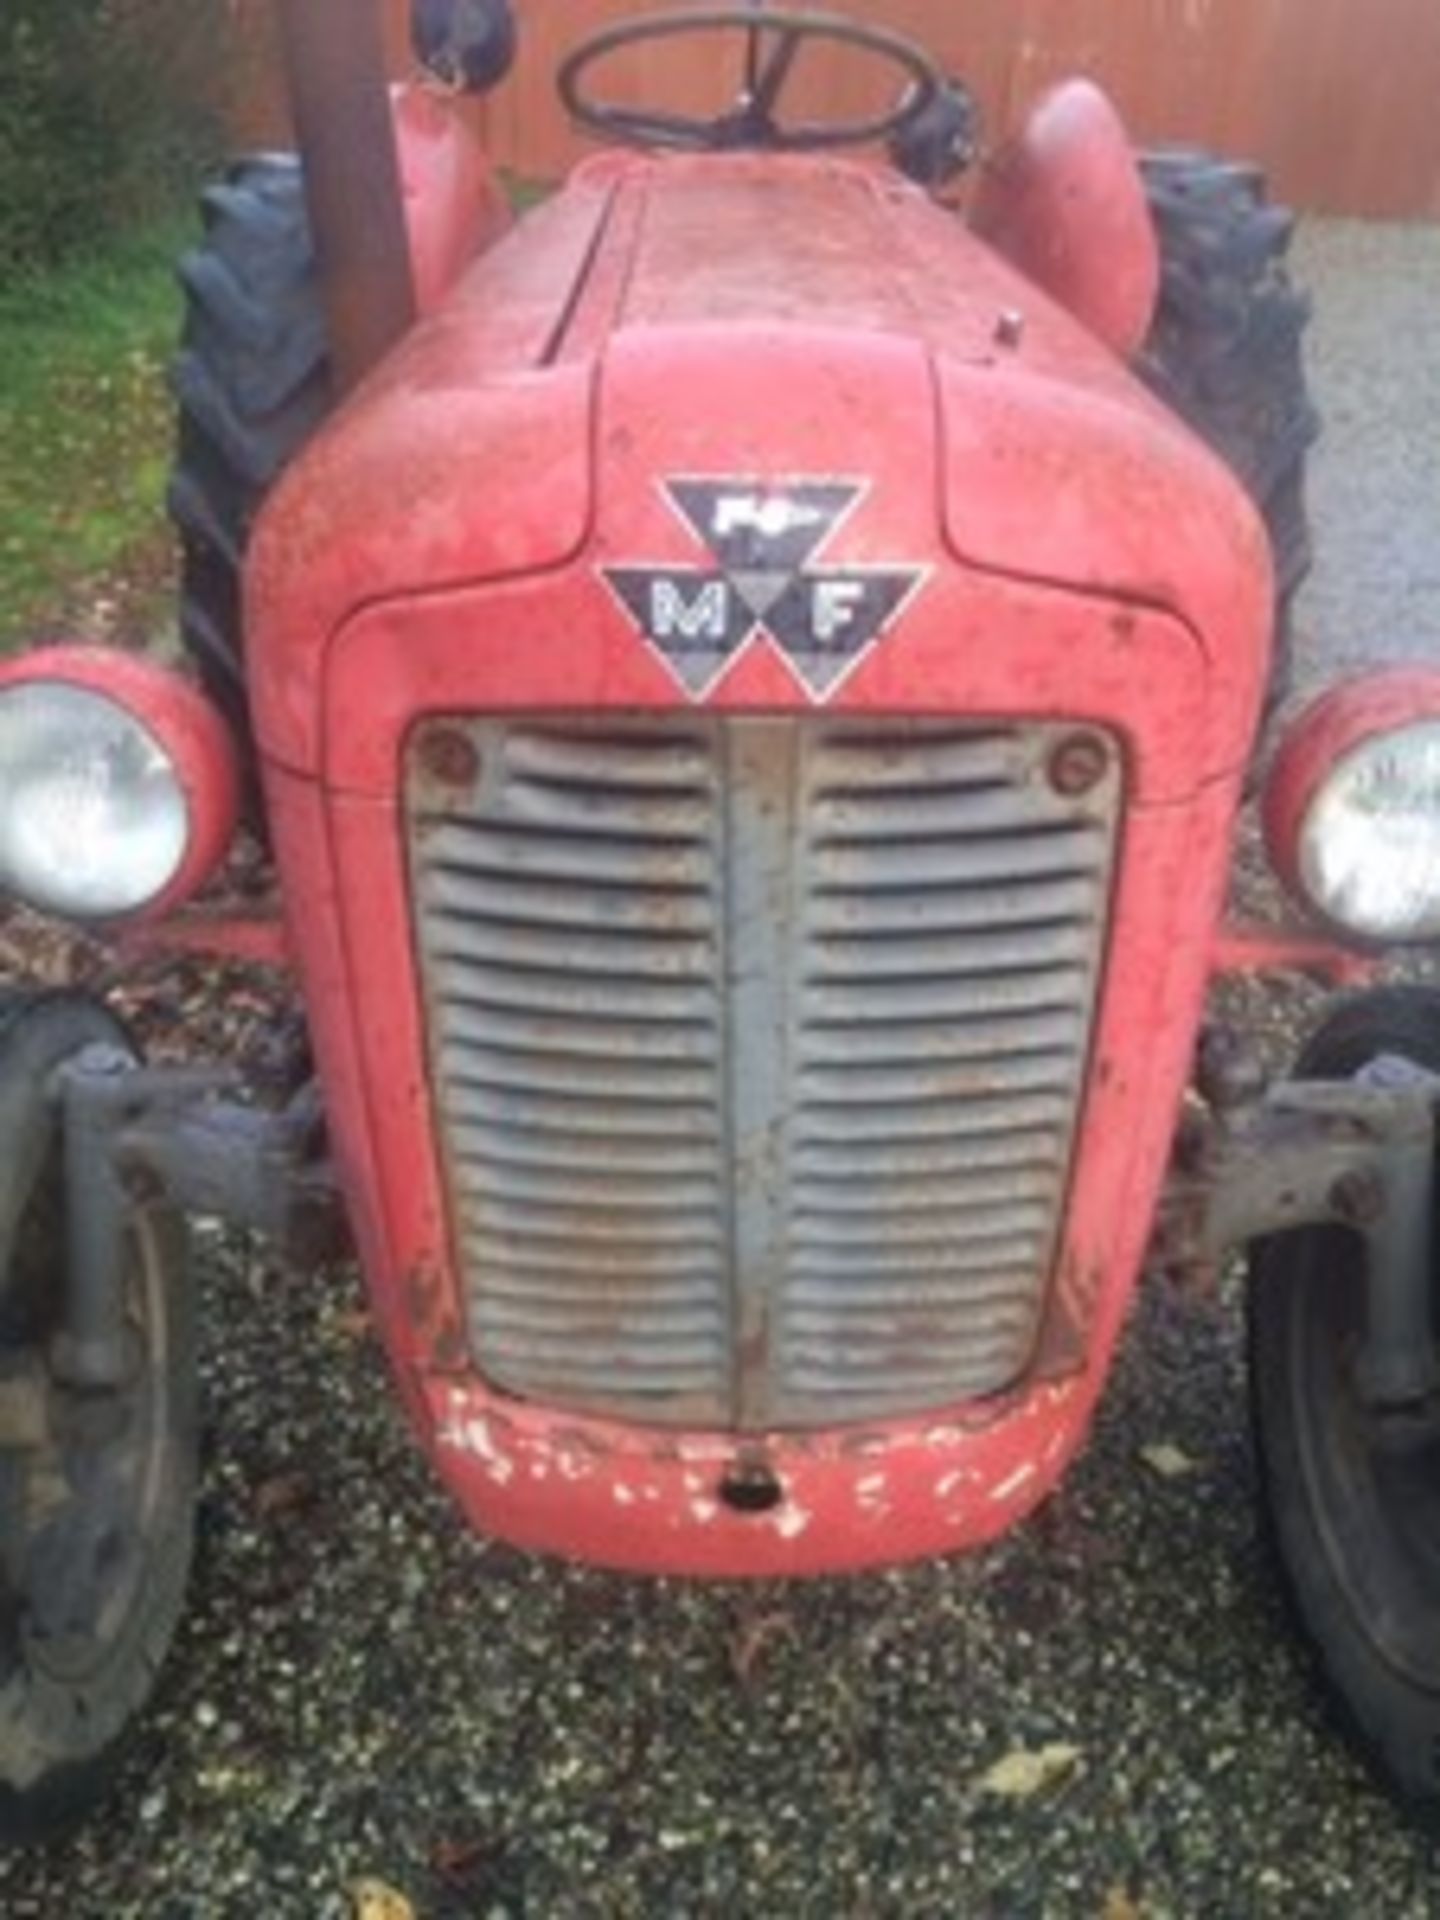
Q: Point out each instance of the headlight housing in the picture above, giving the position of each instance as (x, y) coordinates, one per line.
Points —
(1353, 809)
(118, 786)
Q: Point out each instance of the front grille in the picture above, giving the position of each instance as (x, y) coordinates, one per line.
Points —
(758, 1048)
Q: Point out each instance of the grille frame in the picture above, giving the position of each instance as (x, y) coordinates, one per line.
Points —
(772, 1331)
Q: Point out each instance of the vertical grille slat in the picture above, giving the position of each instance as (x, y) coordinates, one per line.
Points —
(759, 1048)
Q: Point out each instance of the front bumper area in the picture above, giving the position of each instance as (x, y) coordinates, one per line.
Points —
(641, 1500)
(646, 1499)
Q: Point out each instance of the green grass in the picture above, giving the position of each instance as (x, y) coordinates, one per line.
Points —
(86, 428)
(85, 425)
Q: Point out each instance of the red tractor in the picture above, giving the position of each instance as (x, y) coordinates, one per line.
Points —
(746, 681)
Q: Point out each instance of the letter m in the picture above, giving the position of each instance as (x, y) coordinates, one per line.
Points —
(705, 615)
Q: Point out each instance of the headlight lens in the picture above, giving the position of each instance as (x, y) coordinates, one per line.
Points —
(1369, 852)
(93, 818)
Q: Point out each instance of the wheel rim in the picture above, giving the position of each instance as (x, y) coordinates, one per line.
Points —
(1372, 1478)
(81, 1507)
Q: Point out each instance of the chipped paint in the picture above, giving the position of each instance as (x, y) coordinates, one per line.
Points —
(645, 1503)
(705, 1451)
(473, 1436)
(949, 1482)
(790, 1522)
(872, 1492)
(1013, 1484)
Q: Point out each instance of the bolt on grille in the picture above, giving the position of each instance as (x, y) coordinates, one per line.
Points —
(758, 1047)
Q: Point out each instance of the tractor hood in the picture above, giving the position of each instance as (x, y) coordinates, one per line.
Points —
(745, 321)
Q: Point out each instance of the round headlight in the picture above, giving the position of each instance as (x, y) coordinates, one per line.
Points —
(1353, 809)
(93, 820)
(1370, 845)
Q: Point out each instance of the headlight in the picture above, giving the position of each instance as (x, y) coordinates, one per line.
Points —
(117, 785)
(92, 815)
(1353, 810)
(1370, 846)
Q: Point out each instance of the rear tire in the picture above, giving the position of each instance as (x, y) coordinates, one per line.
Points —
(1352, 1497)
(97, 1499)
(253, 383)
(1227, 350)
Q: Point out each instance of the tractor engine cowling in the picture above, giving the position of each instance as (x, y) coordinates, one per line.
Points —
(753, 719)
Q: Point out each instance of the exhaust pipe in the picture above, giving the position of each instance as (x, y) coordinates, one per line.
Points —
(335, 64)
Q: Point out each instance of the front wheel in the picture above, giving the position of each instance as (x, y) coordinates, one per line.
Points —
(1352, 1493)
(96, 1489)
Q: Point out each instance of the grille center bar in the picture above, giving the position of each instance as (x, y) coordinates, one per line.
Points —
(761, 951)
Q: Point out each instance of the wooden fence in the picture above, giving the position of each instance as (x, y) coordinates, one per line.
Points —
(1340, 99)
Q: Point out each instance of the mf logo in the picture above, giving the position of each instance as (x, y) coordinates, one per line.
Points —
(762, 588)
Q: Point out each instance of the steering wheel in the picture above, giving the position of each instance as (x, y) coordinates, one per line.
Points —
(773, 41)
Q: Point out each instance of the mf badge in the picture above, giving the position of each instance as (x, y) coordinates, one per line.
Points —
(761, 584)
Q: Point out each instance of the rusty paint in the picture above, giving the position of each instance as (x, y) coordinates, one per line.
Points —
(1079, 764)
(562, 774)
(448, 755)
(451, 1350)
(1065, 1331)
(429, 1306)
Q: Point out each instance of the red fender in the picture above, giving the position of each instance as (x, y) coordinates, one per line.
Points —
(1064, 202)
(455, 205)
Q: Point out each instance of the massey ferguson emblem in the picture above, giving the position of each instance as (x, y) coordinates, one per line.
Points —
(762, 586)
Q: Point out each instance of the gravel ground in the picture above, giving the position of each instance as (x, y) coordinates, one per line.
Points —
(363, 1689)
(1375, 595)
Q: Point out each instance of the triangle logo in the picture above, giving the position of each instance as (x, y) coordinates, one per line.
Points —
(761, 538)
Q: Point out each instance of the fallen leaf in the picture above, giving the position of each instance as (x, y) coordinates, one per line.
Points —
(283, 1493)
(375, 1900)
(461, 1863)
(1169, 1461)
(351, 1323)
(750, 1640)
(1026, 1772)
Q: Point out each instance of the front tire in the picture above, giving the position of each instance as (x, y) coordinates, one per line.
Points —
(97, 1491)
(1353, 1497)
(1226, 351)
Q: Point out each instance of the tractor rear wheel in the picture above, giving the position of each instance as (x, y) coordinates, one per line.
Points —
(1352, 1492)
(253, 383)
(1227, 350)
